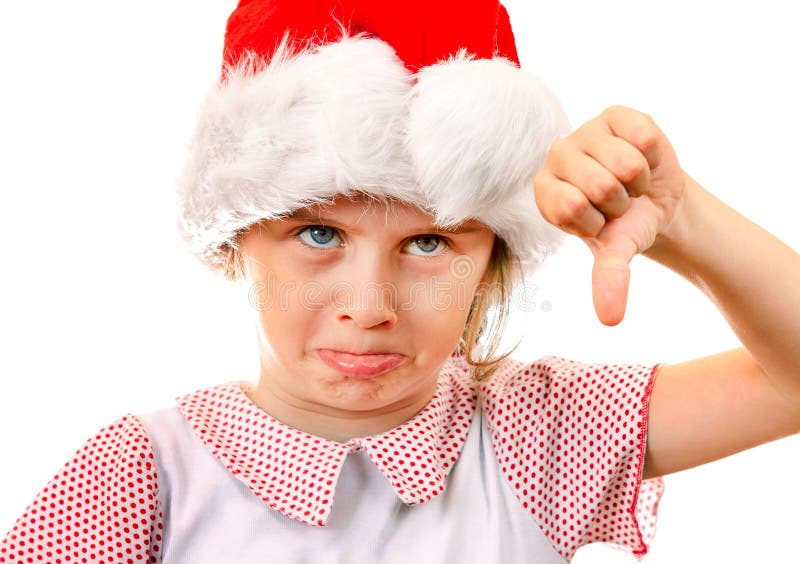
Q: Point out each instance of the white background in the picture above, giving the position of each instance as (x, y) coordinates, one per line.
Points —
(102, 312)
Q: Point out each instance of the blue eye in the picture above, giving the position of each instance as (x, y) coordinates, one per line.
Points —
(323, 237)
(319, 235)
(427, 244)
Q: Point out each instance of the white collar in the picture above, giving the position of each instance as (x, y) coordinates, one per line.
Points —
(296, 472)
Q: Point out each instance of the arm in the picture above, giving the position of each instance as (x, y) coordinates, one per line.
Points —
(712, 407)
(102, 506)
(616, 183)
(743, 397)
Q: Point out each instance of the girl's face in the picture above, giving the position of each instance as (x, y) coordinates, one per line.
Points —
(359, 276)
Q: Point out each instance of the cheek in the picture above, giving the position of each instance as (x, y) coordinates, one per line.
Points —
(285, 317)
(438, 310)
(286, 333)
(436, 294)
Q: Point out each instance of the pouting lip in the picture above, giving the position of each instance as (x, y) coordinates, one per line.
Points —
(361, 366)
(360, 353)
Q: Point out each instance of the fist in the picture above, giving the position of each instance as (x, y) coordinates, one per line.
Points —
(615, 183)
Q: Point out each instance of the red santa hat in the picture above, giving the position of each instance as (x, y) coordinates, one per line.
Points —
(421, 101)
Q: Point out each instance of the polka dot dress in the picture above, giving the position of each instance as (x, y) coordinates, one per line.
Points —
(568, 437)
(102, 507)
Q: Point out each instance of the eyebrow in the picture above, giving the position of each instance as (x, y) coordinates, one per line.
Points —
(300, 216)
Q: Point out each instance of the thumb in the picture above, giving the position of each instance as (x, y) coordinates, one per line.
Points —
(610, 281)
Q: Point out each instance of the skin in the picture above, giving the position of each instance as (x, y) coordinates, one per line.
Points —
(361, 279)
(616, 183)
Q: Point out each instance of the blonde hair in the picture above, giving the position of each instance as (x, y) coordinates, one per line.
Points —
(494, 291)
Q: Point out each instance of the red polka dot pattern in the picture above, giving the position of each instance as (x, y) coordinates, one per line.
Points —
(102, 506)
(296, 472)
(570, 439)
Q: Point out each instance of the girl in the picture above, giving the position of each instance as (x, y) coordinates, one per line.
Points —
(292, 254)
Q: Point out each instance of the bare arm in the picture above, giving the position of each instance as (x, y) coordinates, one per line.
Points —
(616, 183)
(712, 407)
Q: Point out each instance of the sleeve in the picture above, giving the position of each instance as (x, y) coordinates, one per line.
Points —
(570, 438)
(101, 507)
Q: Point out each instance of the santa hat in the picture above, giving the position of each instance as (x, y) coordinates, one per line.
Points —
(420, 100)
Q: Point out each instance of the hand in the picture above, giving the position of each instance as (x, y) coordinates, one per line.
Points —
(615, 182)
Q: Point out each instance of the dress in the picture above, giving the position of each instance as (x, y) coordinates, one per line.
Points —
(543, 458)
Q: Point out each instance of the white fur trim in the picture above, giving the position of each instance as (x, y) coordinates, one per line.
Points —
(479, 130)
(461, 139)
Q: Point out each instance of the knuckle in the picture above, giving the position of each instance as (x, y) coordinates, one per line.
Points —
(555, 146)
(571, 208)
(562, 156)
(607, 195)
(626, 112)
(559, 147)
(602, 188)
(586, 128)
(628, 168)
(616, 109)
(647, 136)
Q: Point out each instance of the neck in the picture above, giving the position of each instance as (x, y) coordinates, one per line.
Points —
(330, 423)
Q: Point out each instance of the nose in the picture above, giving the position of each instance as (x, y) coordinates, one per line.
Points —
(367, 293)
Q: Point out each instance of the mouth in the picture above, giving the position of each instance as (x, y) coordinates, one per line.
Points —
(356, 365)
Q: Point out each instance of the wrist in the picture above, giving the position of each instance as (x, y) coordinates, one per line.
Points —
(674, 245)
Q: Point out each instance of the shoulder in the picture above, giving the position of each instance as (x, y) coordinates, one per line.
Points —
(120, 446)
(569, 437)
(568, 401)
(567, 383)
(122, 449)
(558, 369)
(127, 430)
(102, 505)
